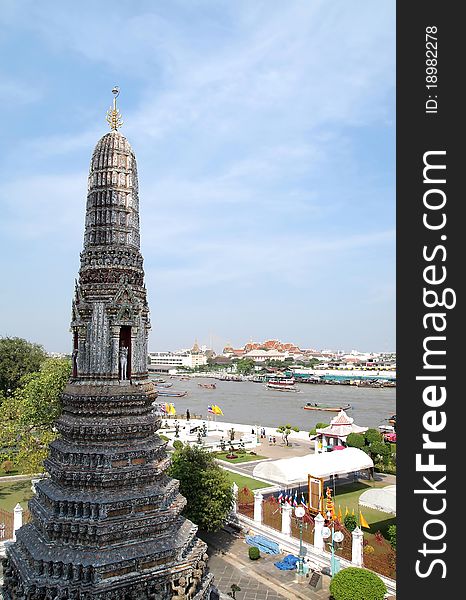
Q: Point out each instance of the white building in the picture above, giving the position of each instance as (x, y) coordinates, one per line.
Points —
(184, 358)
(177, 359)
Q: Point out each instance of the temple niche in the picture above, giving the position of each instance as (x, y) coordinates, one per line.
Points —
(107, 524)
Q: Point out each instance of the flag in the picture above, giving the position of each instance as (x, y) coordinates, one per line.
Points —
(363, 521)
(288, 498)
(210, 409)
(303, 502)
(346, 511)
(295, 499)
(163, 408)
(352, 512)
(217, 409)
(172, 409)
(280, 497)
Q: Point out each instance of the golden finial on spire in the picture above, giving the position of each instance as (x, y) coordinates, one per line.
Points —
(113, 114)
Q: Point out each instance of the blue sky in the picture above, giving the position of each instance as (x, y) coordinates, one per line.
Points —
(265, 138)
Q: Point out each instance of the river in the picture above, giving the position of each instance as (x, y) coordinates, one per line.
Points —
(252, 403)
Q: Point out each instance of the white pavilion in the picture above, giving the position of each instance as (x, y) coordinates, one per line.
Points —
(335, 434)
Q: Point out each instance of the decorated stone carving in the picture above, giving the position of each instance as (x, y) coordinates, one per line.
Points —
(107, 524)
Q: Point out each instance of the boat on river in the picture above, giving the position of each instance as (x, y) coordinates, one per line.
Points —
(170, 393)
(282, 384)
(208, 386)
(310, 406)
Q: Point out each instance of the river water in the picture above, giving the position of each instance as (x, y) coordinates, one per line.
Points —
(252, 403)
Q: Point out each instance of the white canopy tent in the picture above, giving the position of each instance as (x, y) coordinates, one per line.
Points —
(295, 470)
(383, 499)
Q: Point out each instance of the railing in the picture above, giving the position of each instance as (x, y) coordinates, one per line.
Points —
(246, 502)
(308, 528)
(271, 513)
(6, 525)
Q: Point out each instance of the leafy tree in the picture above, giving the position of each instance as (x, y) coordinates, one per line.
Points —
(372, 435)
(318, 426)
(380, 449)
(245, 366)
(29, 414)
(286, 430)
(354, 583)
(205, 486)
(18, 357)
(356, 440)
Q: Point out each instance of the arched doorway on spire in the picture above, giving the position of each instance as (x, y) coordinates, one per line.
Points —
(124, 358)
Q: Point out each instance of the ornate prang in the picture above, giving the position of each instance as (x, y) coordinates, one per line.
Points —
(107, 524)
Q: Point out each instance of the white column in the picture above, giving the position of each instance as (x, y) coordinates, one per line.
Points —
(258, 497)
(318, 526)
(235, 496)
(286, 519)
(357, 547)
(316, 444)
(17, 519)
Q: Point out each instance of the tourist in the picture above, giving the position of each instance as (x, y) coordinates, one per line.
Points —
(274, 440)
(188, 416)
(270, 439)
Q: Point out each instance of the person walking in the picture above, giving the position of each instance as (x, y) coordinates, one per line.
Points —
(188, 415)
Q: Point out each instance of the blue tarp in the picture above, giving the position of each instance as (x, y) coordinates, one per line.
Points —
(288, 563)
(264, 544)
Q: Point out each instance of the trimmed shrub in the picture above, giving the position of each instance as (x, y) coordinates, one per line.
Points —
(368, 549)
(177, 444)
(350, 522)
(254, 553)
(354, 583)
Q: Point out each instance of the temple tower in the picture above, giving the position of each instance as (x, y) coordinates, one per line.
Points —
(107, 524)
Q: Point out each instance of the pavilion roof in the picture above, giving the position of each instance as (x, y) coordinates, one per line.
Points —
(341, 426)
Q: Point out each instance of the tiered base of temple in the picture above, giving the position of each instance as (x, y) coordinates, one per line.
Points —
(107, 524)
(37, 573)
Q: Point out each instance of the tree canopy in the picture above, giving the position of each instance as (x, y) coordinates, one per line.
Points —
(18, 358)
(245, 366)
(286, 430)
(205, 485)
(29, 414)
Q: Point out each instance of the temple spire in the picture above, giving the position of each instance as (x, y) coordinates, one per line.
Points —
(114, 118)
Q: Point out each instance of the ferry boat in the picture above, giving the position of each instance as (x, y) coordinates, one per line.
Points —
(208, 386)
(282, 381)
(282, 384)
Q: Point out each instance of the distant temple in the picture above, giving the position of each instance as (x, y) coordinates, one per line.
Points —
(107, 524)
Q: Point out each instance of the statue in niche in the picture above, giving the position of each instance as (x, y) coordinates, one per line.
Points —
(75, 362)
(123, 362)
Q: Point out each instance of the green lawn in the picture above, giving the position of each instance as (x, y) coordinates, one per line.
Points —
(348, 496)
(243, 481)
(241, 457)
(13, 492)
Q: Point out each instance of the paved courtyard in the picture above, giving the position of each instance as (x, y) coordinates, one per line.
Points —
(258, 580)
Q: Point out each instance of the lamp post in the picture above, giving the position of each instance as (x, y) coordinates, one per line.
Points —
(336, 536)
(299, 512)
